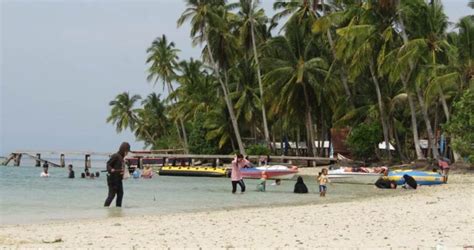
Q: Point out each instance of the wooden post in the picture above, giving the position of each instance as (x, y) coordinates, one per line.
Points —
(218, 162)
(38, 161)
(192, 162)
(139, 163)
(166, 161)
(87, 162)
(18, 160)
(62, 161)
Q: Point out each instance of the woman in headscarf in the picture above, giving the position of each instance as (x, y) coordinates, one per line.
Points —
(115, 169)
(410, 182)
(300, 187)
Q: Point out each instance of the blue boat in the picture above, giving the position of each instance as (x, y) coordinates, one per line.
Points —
(421, 177)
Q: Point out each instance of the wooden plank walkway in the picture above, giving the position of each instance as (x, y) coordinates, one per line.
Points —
(43, 161)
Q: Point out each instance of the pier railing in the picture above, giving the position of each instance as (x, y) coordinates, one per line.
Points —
(167, 154)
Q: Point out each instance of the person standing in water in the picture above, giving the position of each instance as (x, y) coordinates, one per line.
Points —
(323, 180)
(71, 172)
(45, 170)
(236, 177)
(115, 170)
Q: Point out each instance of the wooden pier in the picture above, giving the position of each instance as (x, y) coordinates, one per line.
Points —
(166, 155)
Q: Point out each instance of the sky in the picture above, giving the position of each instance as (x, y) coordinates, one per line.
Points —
(62, 62)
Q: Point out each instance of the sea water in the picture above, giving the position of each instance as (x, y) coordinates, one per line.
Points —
(25, 197)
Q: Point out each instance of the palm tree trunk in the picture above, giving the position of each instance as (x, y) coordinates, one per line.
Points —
(343, 73)
(255, 55)
(309, 124)
(420, 97)
(184, 138)
(397, 141)
(445, 105)
(414, 125)
(429, 130)
(381, 109)
(228, 102)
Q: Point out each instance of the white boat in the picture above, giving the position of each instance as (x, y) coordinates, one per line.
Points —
(271, 171)
(339, 176)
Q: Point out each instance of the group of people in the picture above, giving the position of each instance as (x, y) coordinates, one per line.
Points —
(300, 187)
(147, 173)
(384, 183)
(71, 173)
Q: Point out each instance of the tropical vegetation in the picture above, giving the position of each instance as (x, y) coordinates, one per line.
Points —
(387, 70)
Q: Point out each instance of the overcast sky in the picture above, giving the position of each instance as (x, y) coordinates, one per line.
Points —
(63, 61)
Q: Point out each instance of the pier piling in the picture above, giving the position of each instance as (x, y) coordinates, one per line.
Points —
(62, 161)
(38, 161)
(17, 160)
(87, 163)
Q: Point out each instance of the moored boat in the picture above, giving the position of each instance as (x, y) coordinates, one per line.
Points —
(208, 171)
(421, 177)
(353, 177)
(271, 171)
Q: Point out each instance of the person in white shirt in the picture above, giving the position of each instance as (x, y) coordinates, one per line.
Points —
(45, 170)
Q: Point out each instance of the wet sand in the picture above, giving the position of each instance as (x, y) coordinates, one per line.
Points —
(437, 216)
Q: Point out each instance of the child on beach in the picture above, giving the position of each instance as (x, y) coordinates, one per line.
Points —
(263, 182)
(323, 180)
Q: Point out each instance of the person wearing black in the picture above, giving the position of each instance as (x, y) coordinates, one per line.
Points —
(410, 182)
(115, 170)
(385, 183)
(71, 172)
(300, 187)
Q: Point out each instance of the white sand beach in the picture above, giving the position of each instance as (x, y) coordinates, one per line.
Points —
(437, 216)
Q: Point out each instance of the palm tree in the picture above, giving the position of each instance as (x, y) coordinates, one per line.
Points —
(359, 44)
(419, 54)
(322, 25)
(196, 92)
(123, 113)
(293, 72)
(152, 122)
(250, 18)
(206, 16)
(163, 58)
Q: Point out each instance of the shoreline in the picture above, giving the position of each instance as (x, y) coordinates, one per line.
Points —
(427, 217)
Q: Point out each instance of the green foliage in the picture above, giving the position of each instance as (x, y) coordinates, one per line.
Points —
(461, 125)
(364, 139)
(198, 144)
(257, 149)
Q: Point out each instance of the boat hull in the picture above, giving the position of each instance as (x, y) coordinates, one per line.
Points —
(272, 172)
(193, 171)
(355, 178)
(421, 177)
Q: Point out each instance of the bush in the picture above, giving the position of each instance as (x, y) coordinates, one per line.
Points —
(364, 139)
(257, 149)
(461, 126)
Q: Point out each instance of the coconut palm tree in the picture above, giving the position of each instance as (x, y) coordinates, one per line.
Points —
(206, 17)
(251, 20)
(293, 72)
(164, 59)
(367, 36)
(123, 114)
(152, 122)
(196, 92)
